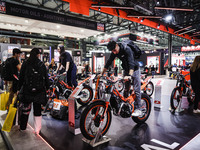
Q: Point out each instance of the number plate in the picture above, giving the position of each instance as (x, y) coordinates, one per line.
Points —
(56, 105)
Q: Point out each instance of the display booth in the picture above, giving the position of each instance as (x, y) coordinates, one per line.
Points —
(178, 59)
(76, 54)
(149, 59)
(7, 49)
(154, 61)
(98, 60)
(118, 62)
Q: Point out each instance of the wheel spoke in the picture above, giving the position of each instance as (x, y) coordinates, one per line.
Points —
(95, 116)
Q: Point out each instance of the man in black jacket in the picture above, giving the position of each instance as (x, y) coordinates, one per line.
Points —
(16, 66)
(131, 68)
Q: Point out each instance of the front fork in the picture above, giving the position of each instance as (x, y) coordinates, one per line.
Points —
(107, 101)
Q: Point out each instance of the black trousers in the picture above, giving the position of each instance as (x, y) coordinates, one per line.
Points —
(25, 111)
(197, 99)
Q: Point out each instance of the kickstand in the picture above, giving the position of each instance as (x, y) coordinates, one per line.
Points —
(179, 109)
(99, 139)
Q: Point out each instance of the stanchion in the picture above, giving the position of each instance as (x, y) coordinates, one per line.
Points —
(99, 139)
(183, 104)
(71, 110)
(158, 93)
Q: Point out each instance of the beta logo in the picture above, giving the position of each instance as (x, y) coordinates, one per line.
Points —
(156, 102)
(2, 7)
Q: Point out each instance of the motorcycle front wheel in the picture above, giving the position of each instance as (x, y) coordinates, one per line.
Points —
(92, 120)
(86, 95)
(149, 89)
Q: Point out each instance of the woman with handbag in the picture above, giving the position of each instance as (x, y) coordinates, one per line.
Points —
(33, 83)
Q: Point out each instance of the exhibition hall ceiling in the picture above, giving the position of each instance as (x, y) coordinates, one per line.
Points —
(113, 24)
(8, 22)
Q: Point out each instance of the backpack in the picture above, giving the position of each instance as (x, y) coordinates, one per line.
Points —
(7, 70)
(34, 78)
(137, 51)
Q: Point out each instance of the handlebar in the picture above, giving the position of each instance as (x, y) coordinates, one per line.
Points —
(56, 75)
(111, 80)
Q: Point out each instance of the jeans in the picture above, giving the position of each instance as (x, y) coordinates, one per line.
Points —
(197, 99)
(137, 88)
(71, 76)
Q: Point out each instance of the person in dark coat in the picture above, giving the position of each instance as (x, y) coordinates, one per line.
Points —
(195, 82)
(153, 71)
(16, 66)
(27, 96)
(68, 66)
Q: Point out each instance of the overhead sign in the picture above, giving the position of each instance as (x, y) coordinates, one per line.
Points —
(190, 48)
(2, 7)
(33, 13)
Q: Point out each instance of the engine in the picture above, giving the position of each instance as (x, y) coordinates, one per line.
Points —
(125, 110)
(120, 108)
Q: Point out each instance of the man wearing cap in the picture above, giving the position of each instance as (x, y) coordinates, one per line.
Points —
(131, 69)
(16, 66)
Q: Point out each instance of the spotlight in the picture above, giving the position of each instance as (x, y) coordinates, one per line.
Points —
(99, 8)
(168, 18)
(158, 26)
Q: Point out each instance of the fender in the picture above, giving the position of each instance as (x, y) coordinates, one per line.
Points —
(97, 100)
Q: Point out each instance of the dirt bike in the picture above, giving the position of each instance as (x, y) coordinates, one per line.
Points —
(97, 116)
(183, 88)
(60, 88)
(100, 87)
(147, 86)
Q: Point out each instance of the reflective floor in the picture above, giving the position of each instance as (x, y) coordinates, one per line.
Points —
(163, 130)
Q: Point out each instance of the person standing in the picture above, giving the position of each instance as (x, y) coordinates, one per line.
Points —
(153, 71)
(15, 65)
(87, 69)
(79, 71)
(52, 66)
(131, 68)
(33, 83)
(146, 70)
(116, 71)
(1, 81)
(69, 66)
(195, 82)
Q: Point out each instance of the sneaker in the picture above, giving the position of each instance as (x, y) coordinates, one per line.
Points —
(197, 111)
(137, 113)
